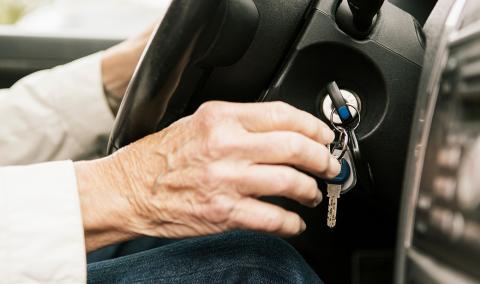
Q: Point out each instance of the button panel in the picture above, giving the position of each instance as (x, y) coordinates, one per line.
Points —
(447, 217)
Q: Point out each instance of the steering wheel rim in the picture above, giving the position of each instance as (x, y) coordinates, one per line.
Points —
(206, 50)
(160, 69)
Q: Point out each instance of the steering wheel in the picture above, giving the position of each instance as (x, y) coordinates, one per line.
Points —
(205, 50)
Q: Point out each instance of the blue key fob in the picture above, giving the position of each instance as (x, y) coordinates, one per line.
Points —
(345, 173)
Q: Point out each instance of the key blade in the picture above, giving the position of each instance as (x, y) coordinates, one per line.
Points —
(333, 193)
(332, 212)
(331, 223)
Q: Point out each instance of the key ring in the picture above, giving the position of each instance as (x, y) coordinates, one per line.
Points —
(334, 110)
(342, 138)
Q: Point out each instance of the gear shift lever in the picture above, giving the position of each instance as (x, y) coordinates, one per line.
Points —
(357, 17)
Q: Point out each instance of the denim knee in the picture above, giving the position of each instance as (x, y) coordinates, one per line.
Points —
(257, 251)
(234, 257)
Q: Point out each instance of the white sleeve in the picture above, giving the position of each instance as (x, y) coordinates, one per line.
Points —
(41, 230)
(57, 114)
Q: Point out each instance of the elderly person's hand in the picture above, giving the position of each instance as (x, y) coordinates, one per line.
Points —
(203, 174)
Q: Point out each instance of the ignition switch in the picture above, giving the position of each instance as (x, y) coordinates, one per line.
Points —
(351, 100)
(342, 110)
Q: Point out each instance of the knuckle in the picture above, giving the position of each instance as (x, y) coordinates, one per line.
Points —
(208, 113)
(318, 128)
(279, 112)
(219, 143)
(310, 189)
(286, 180)
(209, 108)
(273, 222)
(281, 107)
(324, 160)
(210, 177)
(205, 122)
(294, 147)
(220, 209)
(223, 206)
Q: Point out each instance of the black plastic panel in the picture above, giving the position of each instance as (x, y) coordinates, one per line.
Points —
(383, 71)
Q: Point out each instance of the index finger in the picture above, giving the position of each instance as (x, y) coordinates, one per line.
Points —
(280, 116)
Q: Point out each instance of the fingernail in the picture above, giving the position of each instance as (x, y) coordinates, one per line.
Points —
(335, 166)
(329, 135)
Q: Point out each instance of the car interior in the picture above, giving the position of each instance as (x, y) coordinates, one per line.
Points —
(408, 72)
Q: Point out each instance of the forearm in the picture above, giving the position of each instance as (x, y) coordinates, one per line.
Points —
(101, 210)
(102, 221)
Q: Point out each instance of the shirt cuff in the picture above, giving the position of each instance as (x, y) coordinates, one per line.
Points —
(41, 228)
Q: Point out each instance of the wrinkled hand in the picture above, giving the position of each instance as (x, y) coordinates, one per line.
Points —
(203, 174)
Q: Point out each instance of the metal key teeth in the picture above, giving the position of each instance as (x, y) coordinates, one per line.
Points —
(332, 210)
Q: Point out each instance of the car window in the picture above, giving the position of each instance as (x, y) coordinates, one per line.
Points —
(87, 18)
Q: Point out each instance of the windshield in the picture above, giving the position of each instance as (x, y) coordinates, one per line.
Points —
(86, 18)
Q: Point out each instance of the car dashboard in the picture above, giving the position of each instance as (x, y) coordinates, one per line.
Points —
(440, 220)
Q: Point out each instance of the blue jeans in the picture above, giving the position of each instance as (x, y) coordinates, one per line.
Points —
(236, 257)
